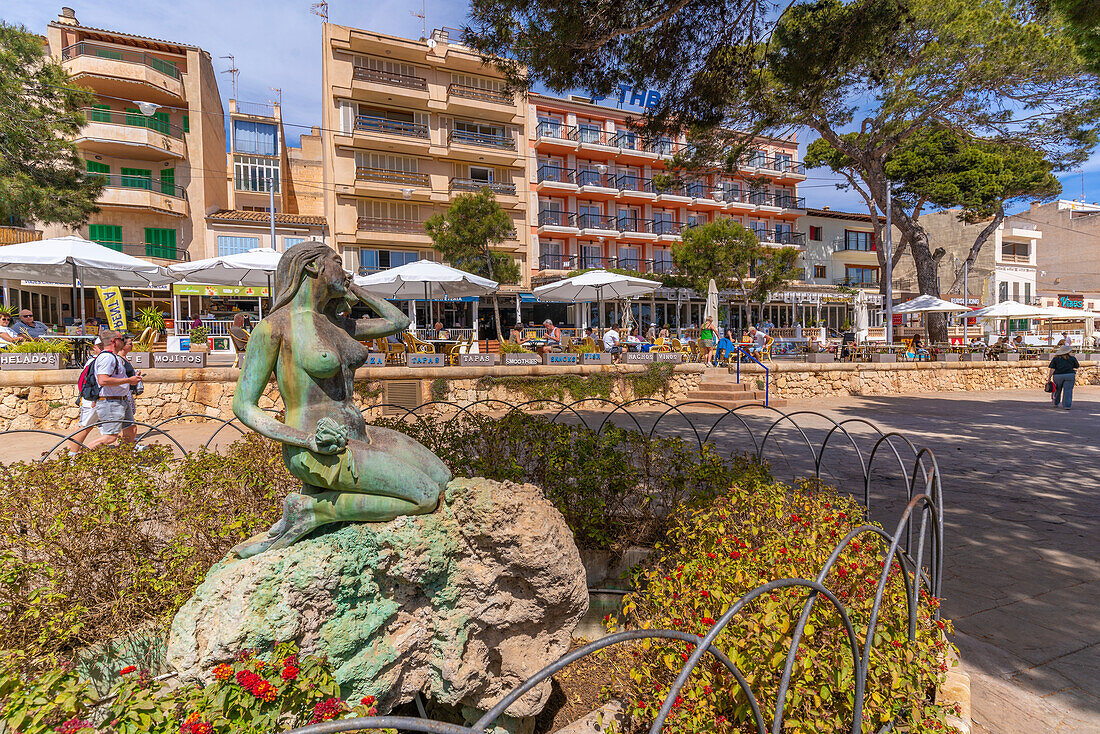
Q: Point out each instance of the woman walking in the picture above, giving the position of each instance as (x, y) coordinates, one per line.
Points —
(1063, 373)
(707, 338)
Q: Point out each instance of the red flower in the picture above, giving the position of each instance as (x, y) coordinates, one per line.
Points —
(735, 555)
(289, 673)
(127, 670)
(707, 690)
(265, 691)
(704, 593)
(640, 704)
(708, 621)
(247, 679)
(327, 710)
(223, 672)
(711, 555)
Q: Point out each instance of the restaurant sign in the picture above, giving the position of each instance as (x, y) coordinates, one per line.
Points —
(178, 360)
(1071, 301)
(560, 359)
(477, 360)
(424, 360)
(31, 361)
(240, 291)
(637, 358)
(376, 359)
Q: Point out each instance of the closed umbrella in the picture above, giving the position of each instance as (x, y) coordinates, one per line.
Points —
(60, 259)
(711, 310)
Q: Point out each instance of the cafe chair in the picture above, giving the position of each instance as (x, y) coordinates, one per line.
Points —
(455, 350)
(417, 346)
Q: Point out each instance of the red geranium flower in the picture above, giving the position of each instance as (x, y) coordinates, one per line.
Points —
(127, 670)
(289, 673)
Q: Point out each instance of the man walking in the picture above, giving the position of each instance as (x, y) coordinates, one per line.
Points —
(114, 407)
(89, 387)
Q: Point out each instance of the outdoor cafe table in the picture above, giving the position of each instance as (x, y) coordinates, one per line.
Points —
(81, 345)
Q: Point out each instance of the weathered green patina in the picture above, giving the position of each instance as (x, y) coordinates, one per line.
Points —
(349, 471)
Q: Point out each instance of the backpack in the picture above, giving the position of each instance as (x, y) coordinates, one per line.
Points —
(87, 382)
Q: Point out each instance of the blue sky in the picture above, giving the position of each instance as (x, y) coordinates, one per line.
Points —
(277, 43)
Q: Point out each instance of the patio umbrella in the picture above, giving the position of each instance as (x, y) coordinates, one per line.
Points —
(928, 304)
(1059, 313)
(254, 268)
(425, 279)
(62, 259)
(594, 286)
(1007, 310)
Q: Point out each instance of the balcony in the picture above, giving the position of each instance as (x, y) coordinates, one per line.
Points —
(556, 262)
(596, 185)
(557, 221)
(390, 78)
(769, 237)
(597, 224)
(635, 229)
(125, 73)
(858, 282)
(482, 140)
(555, 178)
(594, 141)
(786, 201)
(674, 193)
(385, 126)
(139, 192)
(665, 228)
(555, 137)
(632, 148)
(130, 135)
(499, 188)
(735, 198)
(390, 226)
(144, 250)
(390, 176)
(634, 188)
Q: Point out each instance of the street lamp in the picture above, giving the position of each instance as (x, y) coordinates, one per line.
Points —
(147, 108)
(407, 193)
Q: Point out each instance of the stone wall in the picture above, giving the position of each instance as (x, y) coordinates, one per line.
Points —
(48, 399)
(802, 381)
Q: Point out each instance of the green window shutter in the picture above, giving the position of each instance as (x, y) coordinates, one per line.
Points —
(186, 124)
(106, 54)
(100, 113)
(160, 243)
(134, 118)
(108, 235)
(168, 181)
(137, 178)
(159, 122)
(97, 167)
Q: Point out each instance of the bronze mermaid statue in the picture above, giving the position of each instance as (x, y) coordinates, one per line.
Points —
(349, 471)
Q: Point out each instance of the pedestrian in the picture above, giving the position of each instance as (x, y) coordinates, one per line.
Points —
(89, 396)
(1066, 339)
(129, 433)
(707, 340)
(114, 406)
(1063, 373)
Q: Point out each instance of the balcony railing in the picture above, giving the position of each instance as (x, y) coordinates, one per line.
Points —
(133, 119)
(632, 182)
(795, 239)
(596, 221)
(662, 146)
(662, 266)
(555, 261)
(760, 198)
(861, 282)
(483, 95)
(633, 224)
(473, 184)
(408, 81)
(117, 181)
(138, 249)
(586, 262)
(731, 193)
(591, 135)
(787, 201)
(395, 226)
(387, 175)
(556, 173)
(628, 140)
(504, 142)
(118, 54)
(673, 189)
(594, 178)
(551, 218)
(549, 129)
(661, 226)
(788, 166)
(368, 123)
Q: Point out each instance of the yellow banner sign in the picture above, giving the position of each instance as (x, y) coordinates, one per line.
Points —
(111, 298)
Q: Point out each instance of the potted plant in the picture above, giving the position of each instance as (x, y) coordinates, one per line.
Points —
(199, 336)
(150, 326)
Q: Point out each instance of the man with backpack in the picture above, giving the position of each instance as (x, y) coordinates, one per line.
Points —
(88, 387)
(114, 407)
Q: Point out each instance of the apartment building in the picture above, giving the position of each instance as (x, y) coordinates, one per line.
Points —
(260, 182)
(1006, 267)
(841, 248)
(600, 199)
(1068, 263)
(155, 133)
(407, 126)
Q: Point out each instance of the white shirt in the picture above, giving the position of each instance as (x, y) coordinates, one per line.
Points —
(610, 339)
(760, 339)
(7, 331)
(1069, 340)
(111, 365)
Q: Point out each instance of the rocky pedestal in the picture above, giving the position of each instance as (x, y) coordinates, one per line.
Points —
(461, 605)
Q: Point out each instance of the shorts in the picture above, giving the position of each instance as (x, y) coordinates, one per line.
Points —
(708, 343)
(614, 350)
(115, 415)
(88, 415)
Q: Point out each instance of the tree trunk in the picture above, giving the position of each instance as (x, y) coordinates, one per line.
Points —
(496, 318)
(927, 266)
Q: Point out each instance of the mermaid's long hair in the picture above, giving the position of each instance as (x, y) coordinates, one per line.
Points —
(292, 270)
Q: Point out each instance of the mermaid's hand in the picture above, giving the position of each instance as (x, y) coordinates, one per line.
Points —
(329, 438)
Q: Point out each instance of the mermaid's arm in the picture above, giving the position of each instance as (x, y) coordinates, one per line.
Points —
(259, 363)
(391, 320)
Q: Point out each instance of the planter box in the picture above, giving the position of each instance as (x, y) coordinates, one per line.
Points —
(477, 360)
(821, 357)
(669, 357)
(141, 360)
(884, 358)
(424, 360)
(178, 360)
(595, 358)
(1008, 357)
(978, 357)
(374, 359)
(947, 357)
(637, 358)
(528, 360)
(561, 359)
(31, 361)
(1092, 356)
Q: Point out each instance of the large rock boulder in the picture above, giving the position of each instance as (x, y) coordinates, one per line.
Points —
(462, 604)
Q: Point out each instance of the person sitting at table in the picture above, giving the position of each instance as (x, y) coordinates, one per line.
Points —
(91, 326)
(976, 342)
(759, 340)
(651, 334)
(7, 335)
(552, 339)
(725, 346)
(28, 327)
(913, 348)
(611, 343)
(438, 332)
(664, 334)
(1017, 343)
(516, 335)
(998, 347)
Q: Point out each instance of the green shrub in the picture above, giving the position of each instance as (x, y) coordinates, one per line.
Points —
(35, 346)
(252, 695)
(715, 554)
(92, 546)
(507, 347)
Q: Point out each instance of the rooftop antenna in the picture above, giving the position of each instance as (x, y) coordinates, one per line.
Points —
(234, 72)
(320, 9)
(279, 92)
(423, 20)
(1082, 172)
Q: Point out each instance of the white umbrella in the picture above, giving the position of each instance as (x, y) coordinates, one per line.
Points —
(594, 286)
(1058, 312)
(61, 259)
(252, 268)
(1008, 310)
(711, 310)
(425, 279)
(928, 304)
